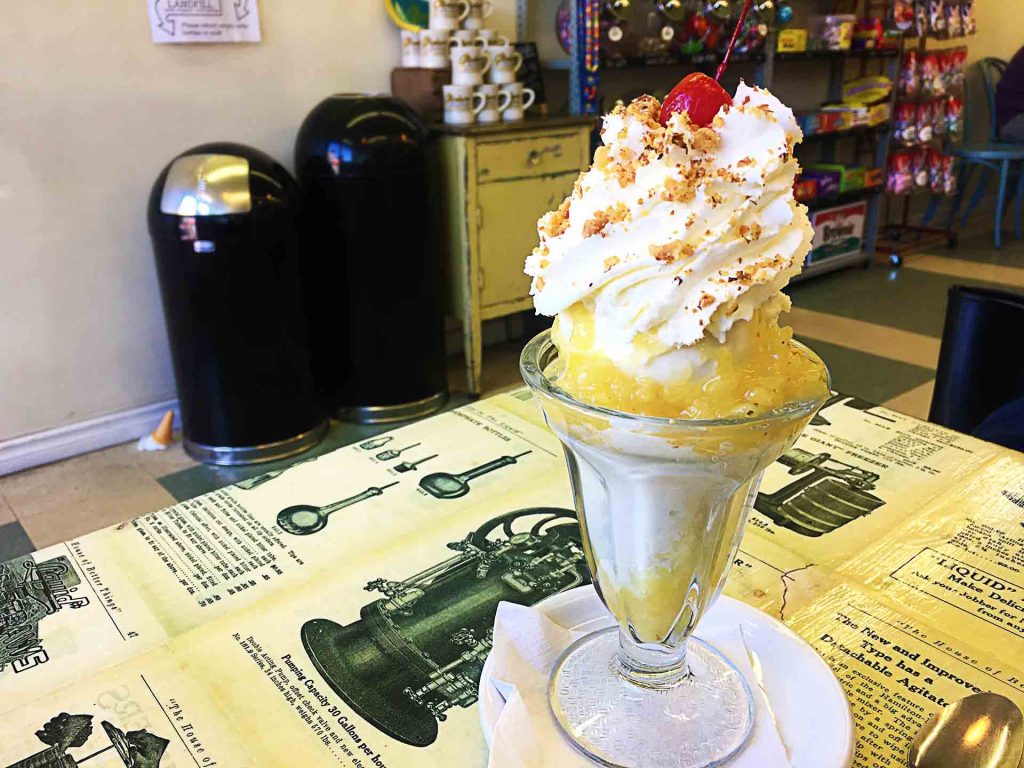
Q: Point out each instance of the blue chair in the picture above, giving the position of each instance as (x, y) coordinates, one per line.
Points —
(990, 156)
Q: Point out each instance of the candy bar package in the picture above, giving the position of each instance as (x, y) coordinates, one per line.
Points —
(898, 179)
(905, 124)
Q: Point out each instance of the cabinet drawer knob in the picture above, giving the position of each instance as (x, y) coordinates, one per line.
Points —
(535, 156)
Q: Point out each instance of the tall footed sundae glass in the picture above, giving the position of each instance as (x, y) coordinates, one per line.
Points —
(672, 386)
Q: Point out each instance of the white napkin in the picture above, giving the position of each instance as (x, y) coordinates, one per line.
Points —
(526, 645)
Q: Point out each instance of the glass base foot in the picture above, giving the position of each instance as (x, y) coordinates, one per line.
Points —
(698, 723)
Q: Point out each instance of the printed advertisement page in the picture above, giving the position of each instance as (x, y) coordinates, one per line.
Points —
(856, 473)
(377, 663)
(59, 620)
(896, 670)
(164, 573)
(145, 713)
(775, 580)
(960, 561)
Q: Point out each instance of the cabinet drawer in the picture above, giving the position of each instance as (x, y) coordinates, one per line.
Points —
(508, 233)
(531, 156)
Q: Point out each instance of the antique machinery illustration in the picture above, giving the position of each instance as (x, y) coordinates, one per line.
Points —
(136, 749)
(828, 495)
(419, 650)
(304, 519)
(394, 453)
(444, 485)
(409, 466)
(29, 592)
(377, 442)
(819, 419)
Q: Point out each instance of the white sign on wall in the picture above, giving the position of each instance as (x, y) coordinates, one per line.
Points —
(204, 21)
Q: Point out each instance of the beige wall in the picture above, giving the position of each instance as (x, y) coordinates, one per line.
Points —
(90, 111)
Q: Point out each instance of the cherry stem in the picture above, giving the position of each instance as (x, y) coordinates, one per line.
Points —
(732, 42)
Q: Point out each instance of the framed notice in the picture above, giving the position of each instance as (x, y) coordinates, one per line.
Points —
(204, 21)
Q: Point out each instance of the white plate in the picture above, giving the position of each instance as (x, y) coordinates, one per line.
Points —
(809, 703)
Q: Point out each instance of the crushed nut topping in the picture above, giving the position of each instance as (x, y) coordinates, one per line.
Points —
(751, 233)
(706, 140)
(610, 215)
(670, 252)
(556, 222)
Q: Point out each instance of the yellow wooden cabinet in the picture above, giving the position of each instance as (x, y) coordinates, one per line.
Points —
(496, 181)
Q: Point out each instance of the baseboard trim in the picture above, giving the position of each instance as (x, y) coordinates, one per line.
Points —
(74, 439)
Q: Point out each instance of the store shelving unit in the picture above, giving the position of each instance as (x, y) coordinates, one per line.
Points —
(585, 67)
(895, 242)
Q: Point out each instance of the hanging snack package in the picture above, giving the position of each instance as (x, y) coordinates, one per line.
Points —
(909, 76)
(919, 168)
(936, 18)
(954, 116)
(924, 121)
(920, 18)
(936, 172)
(931, 74)
(954, 22)
(957, 61)
(967, 21)
(948, 175)
(905, 124)
(903, 15)
(898, 180)
(938, 116)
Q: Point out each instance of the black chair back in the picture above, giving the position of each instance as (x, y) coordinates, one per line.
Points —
(981, 365)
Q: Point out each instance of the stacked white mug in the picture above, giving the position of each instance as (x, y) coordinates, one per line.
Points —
(457, 39)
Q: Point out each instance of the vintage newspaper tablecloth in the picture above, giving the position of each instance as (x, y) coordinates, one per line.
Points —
(338, 612)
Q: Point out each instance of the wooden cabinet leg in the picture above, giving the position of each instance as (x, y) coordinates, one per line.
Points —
(473, 340)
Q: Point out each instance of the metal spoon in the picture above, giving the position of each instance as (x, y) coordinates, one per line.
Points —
(984, 730)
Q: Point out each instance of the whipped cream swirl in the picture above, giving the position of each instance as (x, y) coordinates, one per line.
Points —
(677, 232)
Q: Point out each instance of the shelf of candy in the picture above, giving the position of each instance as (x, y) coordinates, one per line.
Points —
(924, 169)
(941, 19)
(823, 184)
(865, 108)
(837, 36)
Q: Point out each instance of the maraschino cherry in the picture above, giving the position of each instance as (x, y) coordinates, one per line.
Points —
(699, 95)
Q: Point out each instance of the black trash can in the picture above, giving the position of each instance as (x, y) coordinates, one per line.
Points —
(223, 219)
(379, 346)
